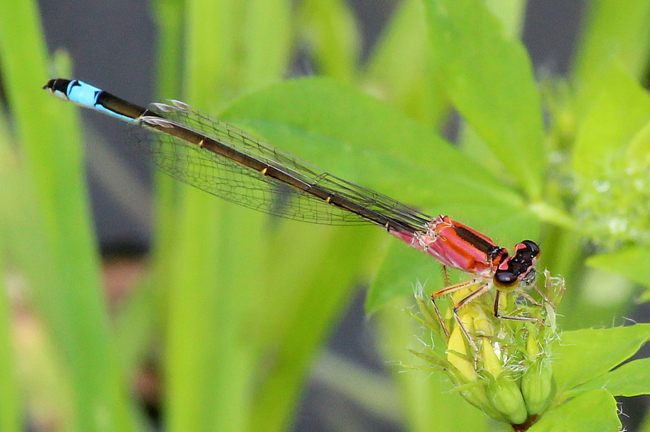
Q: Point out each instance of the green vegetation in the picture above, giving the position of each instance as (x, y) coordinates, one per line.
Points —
(237, 312)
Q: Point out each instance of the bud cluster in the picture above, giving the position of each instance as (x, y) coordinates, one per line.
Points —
(509, 376)
(613, 207)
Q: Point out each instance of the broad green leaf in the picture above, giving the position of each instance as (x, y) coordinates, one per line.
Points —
(614, 30)
(593, 411)
(490, 80)
(511, 14)
(631, 379)
(620, 110)
(604, 348)
(631, 262)
(360, 139)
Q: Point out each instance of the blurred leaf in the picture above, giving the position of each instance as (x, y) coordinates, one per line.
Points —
(490, 80)
(605, 349)
(294, 348)
(62, 262)
(329, 133)
(365, 141)
(10, 409)
(619, 111)
(511, 14)
(400, 271)
(331, 30)
(615, 32)
(203, 360)
(630, 262)
(401, 69)
(267, 42)
(596, 410)
(639, 148)
(631, 379)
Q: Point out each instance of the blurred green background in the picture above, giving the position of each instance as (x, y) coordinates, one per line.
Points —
(221, 325)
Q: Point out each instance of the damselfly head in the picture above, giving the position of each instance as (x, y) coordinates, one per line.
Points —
(518, 268)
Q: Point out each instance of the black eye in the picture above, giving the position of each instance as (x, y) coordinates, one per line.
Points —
(532, 247)
(505, 279)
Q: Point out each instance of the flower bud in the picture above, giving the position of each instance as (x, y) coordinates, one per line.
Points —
(491, 363)
(505, 396)
(537, 386)
(477, 396)
(458, 354)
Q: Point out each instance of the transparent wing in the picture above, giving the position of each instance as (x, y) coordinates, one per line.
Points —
(227, 179)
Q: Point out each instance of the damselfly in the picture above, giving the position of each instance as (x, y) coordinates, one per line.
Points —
(227, 162)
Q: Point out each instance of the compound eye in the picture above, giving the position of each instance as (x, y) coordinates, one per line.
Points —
(532, 246)
(505, 279)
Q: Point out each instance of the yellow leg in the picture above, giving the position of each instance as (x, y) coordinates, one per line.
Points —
(472, 296)
(451, 289)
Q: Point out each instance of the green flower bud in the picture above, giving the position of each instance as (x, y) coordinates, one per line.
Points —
(537, 386)
(477, 396)
(491, 363)
(532, 347)
(505, 396)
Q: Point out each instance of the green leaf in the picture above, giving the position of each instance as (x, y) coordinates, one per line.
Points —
(511, 14)
(490, 80)
(360, 139)
(331, 29)
(210, 272)
(56, 249)
(267, 42)
(10, 396)
(319, 296)
(629, 262)
(639, 149)
(595, 410)
(615, 116)
(631, 379)
(369, 143)
(400, 272)
(413, 89)
(604, 348)
(614, 29)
